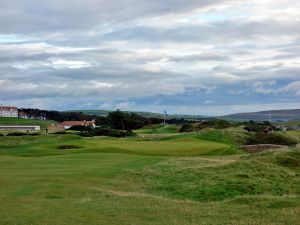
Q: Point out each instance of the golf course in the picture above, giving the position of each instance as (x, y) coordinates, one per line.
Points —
(148, 179)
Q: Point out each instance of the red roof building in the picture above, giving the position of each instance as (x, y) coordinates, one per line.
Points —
(67, 124)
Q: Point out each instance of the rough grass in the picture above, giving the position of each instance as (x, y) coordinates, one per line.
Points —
(217, 179)
(103, 184)
(295, 134)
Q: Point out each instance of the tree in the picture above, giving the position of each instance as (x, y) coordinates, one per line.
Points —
(126, 121)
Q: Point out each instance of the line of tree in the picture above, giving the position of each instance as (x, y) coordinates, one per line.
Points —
(115, 120)
(56, 115)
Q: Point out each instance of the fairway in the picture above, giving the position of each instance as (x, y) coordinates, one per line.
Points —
(66, 179)
(20, 121)
(53, 145)
(159, 129)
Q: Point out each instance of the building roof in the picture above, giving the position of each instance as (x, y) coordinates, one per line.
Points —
(8, 108)
(22, 113)
(75, 123)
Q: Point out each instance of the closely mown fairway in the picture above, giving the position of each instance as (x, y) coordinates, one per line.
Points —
(71, 144)
(20, 121)
(159, 129)
(188, 179)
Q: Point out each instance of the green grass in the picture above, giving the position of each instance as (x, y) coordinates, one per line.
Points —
(289, 123)
(183, 179)
(21, 121)
(160, 129)
(221, 178)
(295, 134)
(54, 145)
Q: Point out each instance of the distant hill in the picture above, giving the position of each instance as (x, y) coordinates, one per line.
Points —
(275, 115)
(144, 114)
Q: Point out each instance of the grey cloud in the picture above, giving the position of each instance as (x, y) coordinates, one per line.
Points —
(122, 46)
(211, 32)
(199, 57)
(44, 16)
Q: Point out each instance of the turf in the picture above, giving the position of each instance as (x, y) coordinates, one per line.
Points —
(159, 129)
(21, 121)
(188, 179)
(295, 134)
(54, 145)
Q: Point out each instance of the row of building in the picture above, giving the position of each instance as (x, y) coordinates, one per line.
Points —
(12, 111)
(9, 111)
(51, 128)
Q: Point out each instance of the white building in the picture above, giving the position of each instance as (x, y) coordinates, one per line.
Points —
(8, 111)
(20, 127)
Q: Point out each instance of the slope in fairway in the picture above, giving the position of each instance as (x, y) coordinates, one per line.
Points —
(54, 145)
(180, 147)
(114, 188)
(159, 129)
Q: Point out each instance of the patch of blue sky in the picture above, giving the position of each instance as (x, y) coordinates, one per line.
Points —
(215, 15)
(224, 95)
(13, 39)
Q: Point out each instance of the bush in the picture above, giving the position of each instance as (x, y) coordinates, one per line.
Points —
(81, 128)
(33, 134)
(17, 134)
(60, 132)
(108, 132)
(186, 128)
(270, 138)
(1, 135)
(216, 124)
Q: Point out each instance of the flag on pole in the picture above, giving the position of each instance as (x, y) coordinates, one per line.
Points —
(165, 115)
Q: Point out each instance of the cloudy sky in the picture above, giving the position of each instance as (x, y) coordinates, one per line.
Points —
(209, 57)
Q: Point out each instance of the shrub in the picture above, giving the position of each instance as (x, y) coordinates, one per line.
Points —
(217, 124)
(108, 132)
(81, 128)
(186, 128)
(33, 134)
(17, 134)
(60, 132)
(270, 138)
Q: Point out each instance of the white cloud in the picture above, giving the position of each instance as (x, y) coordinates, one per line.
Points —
(293, 88)
(127, 51)
(62, 63)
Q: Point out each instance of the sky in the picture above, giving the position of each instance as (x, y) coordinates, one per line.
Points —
(208, 57)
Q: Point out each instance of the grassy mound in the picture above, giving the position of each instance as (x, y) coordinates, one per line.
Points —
(276, 138)
(273, 173)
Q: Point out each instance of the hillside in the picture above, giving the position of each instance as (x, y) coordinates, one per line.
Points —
(275, 115)
(144, 114)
